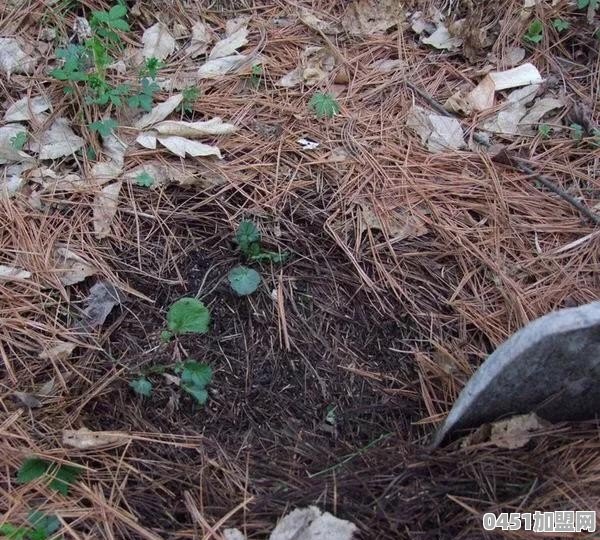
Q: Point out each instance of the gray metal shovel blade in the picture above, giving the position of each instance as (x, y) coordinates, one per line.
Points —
(550, 367)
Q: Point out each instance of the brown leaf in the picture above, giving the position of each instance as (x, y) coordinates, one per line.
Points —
(397, 225)
(70, 267)
(105, 208)
(368, 17)
(60, 351)
(29, 400)
(85, 439)
(517, 431)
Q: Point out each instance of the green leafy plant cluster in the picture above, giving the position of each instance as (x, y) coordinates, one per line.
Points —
(18, 141)
(194, 378)
(535, 32)
(87, 64)
(60, 476)
(41, 526)
(245, 280)
(185, 316)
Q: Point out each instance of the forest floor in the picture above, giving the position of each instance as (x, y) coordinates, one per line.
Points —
(411, 252)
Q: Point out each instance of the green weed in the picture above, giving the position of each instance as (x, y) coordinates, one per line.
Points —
(61, 476)
(18, 141)
(534, 32)
(324, 105)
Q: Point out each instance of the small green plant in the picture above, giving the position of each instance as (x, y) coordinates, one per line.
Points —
(244, 280)
(18, 141)
(560, 25)
(104, 127)
(257, 73)
(186, 316)
(43, 526)
(61, 476)
(144, 179)
(105, 24)
(151, 67)
(596, 138)
(577, 132)
(142, 386)
(145, 96)
(248, 240)
(190, 96)
(534, 32)
(194, 379)
(544, 130)
(583, 4)
(101, 93)
(324, 105)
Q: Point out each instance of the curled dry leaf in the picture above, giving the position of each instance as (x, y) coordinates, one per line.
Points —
(27, 109)
(59, 351)
(84, 439)
(201, 38)
(10, 273)
(57, 141)
(193, 130)
(103, 297)
(507, 120)
(29, 400)
(482, 96)
(310, 524)
(387, 66)
(13, 59)
(70, 267)
(105, 208)
(233, 534)
(181, 147)
(105, 171)
(368, 17)
(157, 42)
(230, 44)
(316, 63)
(442, 39)
(398, 226)
(234, 24)
(213, 69)
(439, 132)
(147, 139)
(164, 173)
(51, 181)
(159, 112)
(314, 22)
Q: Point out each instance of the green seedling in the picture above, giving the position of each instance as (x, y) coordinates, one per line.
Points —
(104, 127)
(584, 4)
(190, 96)
(103, 94)
(186, 316)
(61, 476)
(257, 73)
(244, 280)
(18, 141)
(151, 67)
(142, 386)
(544, 130)
(144, 179)
(560, 25)
(194, 379)
(324, 105)
(106, 24)
(535, 32)
(248, 240)
(43, 526)
(144, 98)
(75, 64)
(576, 132)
